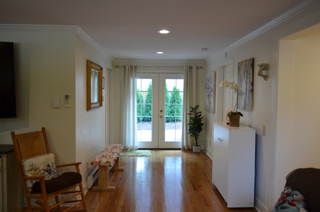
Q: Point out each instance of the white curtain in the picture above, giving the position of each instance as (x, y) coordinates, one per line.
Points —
(189, 100)
(128, 107)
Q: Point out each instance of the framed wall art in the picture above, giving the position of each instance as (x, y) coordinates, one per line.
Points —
(94, 85)
(245, 81)
(210, 92)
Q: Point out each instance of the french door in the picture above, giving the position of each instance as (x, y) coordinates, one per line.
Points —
(159, 110)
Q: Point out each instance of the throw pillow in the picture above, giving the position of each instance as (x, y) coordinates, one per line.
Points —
(290, 201)
(39, 165)
(307, 182)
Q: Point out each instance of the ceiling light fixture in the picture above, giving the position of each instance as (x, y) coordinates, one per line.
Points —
(164, 31)
(159, 52)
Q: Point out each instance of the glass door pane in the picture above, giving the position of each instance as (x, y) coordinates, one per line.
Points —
(146, 109)
(171, 99)
(159, 110)
(173, 110)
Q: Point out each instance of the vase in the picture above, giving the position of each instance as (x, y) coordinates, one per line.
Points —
(234, 121)
(196, 149)
(227, 117)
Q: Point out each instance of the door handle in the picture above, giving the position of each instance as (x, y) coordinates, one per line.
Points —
(220, 139)
(161, 116)
(160, 111)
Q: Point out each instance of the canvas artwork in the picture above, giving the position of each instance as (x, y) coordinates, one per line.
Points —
(210, 92)
(245, 81)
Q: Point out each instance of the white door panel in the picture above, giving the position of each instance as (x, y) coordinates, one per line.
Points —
(170, 126)
(147, 117)
(159, 118)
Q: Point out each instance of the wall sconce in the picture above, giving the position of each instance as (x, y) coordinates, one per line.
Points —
(264, 71)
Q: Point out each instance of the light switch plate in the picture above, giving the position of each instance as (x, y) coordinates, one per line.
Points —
(56, 103)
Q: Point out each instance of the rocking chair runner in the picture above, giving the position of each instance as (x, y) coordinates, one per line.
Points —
(30, 145)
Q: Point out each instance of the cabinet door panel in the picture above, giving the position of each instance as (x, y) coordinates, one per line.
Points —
(233, 164)
(221, 140)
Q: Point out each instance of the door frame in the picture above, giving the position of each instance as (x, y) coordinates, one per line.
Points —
(158, 141)
(219, 102)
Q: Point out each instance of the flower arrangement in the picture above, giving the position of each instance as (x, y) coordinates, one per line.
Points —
(235, 87)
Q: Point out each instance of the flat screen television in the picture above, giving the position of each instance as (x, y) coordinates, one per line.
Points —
(7, 81)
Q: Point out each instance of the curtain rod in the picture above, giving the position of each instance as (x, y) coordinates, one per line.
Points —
(198, 67)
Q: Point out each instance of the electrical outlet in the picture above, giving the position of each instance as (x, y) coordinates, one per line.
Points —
(264, 130)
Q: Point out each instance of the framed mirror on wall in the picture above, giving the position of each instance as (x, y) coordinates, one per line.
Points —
(94, 85)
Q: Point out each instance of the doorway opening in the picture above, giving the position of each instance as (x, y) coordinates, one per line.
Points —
(159, 110)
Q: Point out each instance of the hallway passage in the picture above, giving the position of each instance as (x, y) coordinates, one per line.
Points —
(169, 180)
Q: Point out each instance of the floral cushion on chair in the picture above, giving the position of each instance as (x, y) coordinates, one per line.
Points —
(39, 165)
(290, 201)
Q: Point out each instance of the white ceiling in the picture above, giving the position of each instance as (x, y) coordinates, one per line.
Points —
(128, 28)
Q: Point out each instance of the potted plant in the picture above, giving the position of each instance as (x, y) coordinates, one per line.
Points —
(234, 116)
(195, 125)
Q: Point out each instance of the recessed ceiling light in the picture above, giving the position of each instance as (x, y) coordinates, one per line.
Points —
(159, 52)
(164, 31)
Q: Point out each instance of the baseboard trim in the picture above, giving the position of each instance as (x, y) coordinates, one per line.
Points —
(209, 153)
(85, 187)
(260, 207)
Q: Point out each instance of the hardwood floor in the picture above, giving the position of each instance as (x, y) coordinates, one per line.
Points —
(168, 181)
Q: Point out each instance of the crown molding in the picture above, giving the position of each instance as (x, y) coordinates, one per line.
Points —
(287, 15)
(38, 27)
(146, 62)
(89, 40)
(55, 28)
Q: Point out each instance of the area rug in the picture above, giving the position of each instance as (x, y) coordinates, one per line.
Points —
(136, 153)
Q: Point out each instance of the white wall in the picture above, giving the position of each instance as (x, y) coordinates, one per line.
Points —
(44, 64)
(90, 125)
(50, 63)
(114, 87)
(298, 121)
(264, 49)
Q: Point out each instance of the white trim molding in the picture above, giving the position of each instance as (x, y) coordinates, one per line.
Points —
(259, 206)
(55, 28)
(285, 16)
(39, 27)
(87, 38)
(147, 62)
(208, 152)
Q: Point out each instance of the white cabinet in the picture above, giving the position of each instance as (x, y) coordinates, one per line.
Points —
(233, 164)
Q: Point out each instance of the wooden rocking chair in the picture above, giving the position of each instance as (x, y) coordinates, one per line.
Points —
(36, 144)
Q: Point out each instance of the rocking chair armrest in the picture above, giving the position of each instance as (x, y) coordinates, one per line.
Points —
(41, 177)
(69, 164)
